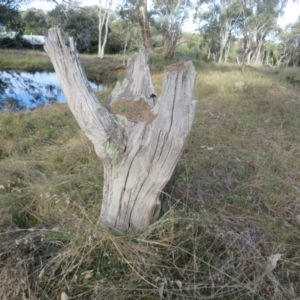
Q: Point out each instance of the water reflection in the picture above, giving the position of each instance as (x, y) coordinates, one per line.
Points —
(22, 90)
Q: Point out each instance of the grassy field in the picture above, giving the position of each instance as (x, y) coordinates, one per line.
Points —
(230, 223)
(29, 60)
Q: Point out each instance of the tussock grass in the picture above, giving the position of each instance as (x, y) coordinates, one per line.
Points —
(230, 223)
(29, 60)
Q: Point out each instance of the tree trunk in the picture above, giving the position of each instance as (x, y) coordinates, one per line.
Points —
(220, 58)
(167, 42)
(170, 42)
(258, 54)
(144, 23)
(139, 155)
(257, 58)
(103, 24)
(267, 57)
(208, 54)
(124, 51)
(227, 50)
(224, 34)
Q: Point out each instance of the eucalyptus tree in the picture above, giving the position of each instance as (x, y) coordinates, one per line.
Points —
(9, 15)
(136, 12)
(259, 20)
(210, 42)
(270, 52)
(145, 27)
(289, 46)
(64, 5)
(81, 23)
(13, 3)
(219, 20)
(35, 21)
(124, 36)
(171, 15)
(294, 44)
(59, 15)
(103, 15)
(129, 24)
(56, 16)
(229, 13)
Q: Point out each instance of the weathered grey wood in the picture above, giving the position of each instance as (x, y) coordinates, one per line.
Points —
(95, 120)
(138, 157)
(138, 82)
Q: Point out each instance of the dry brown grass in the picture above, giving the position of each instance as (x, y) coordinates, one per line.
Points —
(231, 207)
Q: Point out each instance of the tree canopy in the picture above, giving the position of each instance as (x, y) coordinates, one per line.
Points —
(245, 31)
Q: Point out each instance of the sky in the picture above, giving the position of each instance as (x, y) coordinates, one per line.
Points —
(292, 11)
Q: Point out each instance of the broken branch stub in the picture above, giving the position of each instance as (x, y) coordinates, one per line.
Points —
(139, 138)
(138, 82)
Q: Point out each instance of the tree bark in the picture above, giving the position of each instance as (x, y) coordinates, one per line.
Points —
(267, 57)
(295, 62)
(144, 23)
(227, 50)
(103, 24)
(224, 36)
(257, 58)
(170, 42)
(139, 156)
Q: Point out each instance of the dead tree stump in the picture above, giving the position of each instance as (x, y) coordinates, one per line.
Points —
(139, 138)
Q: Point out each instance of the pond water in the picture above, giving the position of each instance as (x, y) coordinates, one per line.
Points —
(21, 90)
